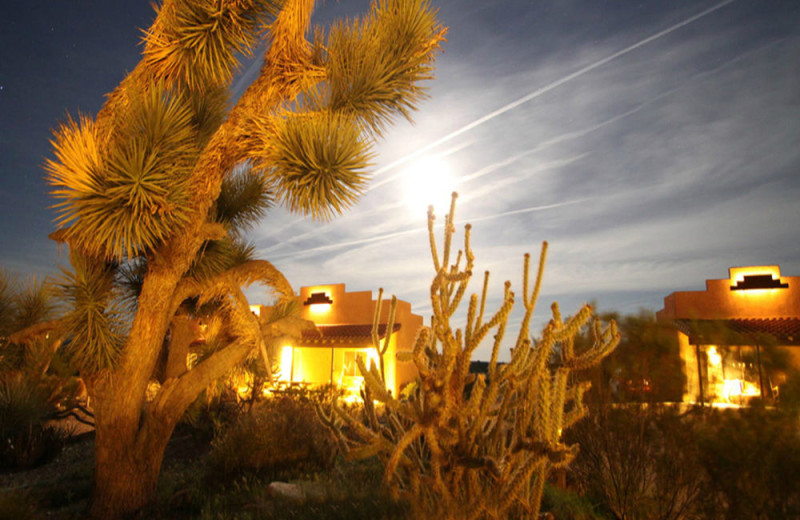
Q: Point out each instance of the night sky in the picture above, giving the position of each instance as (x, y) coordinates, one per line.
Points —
(653, 144)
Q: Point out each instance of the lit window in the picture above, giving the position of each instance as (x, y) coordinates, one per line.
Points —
(351, 365)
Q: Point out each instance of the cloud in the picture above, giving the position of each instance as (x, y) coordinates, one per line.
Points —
(651, 155)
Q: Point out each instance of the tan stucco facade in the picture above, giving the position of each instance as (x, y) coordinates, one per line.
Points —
(345, 321)
(723, 330)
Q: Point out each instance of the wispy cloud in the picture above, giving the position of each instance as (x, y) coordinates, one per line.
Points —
(651, 157)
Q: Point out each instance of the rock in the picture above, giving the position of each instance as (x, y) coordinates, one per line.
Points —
(287, 490)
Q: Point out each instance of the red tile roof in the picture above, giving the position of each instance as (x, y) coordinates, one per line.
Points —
(343, 334)
(780, 331)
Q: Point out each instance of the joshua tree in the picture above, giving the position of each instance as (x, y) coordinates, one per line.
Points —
(148, 194)
(465, 447)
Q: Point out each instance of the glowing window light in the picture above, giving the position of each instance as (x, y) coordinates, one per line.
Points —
(286, 364)
(350, 378)
(739, 388)
(714, 358)
(297, 365)
(372, 359)
(732, 388)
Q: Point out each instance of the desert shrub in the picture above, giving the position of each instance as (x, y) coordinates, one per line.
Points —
(568, 504)
(207, 418)
(26, 441)
(789, 395)
(276, 434)
(18, 505)
(350, 490)
(752, 457)
(639, 462)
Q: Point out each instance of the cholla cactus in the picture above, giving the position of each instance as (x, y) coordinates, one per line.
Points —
(467, 447)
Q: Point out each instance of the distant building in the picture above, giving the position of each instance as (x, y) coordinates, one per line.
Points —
(729, 333)
(344, 320)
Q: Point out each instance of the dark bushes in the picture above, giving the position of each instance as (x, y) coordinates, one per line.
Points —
(654, 462)
(639, 462)
(752, 460)
(26, 441)
(277, 434)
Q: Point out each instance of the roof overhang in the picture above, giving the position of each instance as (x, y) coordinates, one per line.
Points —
(766, 331)
(343, 335)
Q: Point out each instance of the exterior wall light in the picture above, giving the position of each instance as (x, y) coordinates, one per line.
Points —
(320, 302)
(759, 281)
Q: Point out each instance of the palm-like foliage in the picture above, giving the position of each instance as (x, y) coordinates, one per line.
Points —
(154, 194)
(26, 311)
(196, 43)
(95, 322)
(132, 197)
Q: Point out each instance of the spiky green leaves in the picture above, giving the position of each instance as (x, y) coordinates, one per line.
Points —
(218, 256)
(94, 322)
(316, 162)
(243, 200)
(374, 65)
(196, 42)
(126, 197)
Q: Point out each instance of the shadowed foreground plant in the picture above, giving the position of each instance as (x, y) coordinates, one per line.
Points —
(483, 452)
(26, 441)
(277, 434)
(641, 462)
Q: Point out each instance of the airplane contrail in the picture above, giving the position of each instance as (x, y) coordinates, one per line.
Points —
(547, 88)
(387, 236)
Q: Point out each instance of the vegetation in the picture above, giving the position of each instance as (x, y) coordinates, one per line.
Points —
(276, 434)
(153, 193)
(639, 463)
(485, 452)
(35, 387)
(654, 462)
(645, 366)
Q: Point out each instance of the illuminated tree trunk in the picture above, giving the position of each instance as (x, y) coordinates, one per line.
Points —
(129, 443)
(126, 468)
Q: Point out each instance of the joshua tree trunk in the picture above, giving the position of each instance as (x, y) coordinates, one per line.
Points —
(126, 467)
(129, 444)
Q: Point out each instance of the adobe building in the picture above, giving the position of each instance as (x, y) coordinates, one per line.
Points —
(344, 320)
(731, 334)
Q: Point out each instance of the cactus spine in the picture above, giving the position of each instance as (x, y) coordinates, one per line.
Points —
(457, 452)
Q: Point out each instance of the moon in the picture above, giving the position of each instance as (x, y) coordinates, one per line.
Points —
(428, 181)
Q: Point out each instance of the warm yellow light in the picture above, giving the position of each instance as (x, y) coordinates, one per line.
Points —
(739, 388)
(713, 356)
(297, 366)
(756, 296)
(750, 389)
(372, 359)
(152, 390)
(738, 273)
(256, 309)
(320, 308)
(286, 364)
(351, 398)
(243, 384)
(732, 388)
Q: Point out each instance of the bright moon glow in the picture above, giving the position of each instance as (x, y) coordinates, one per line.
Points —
(428, 181)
